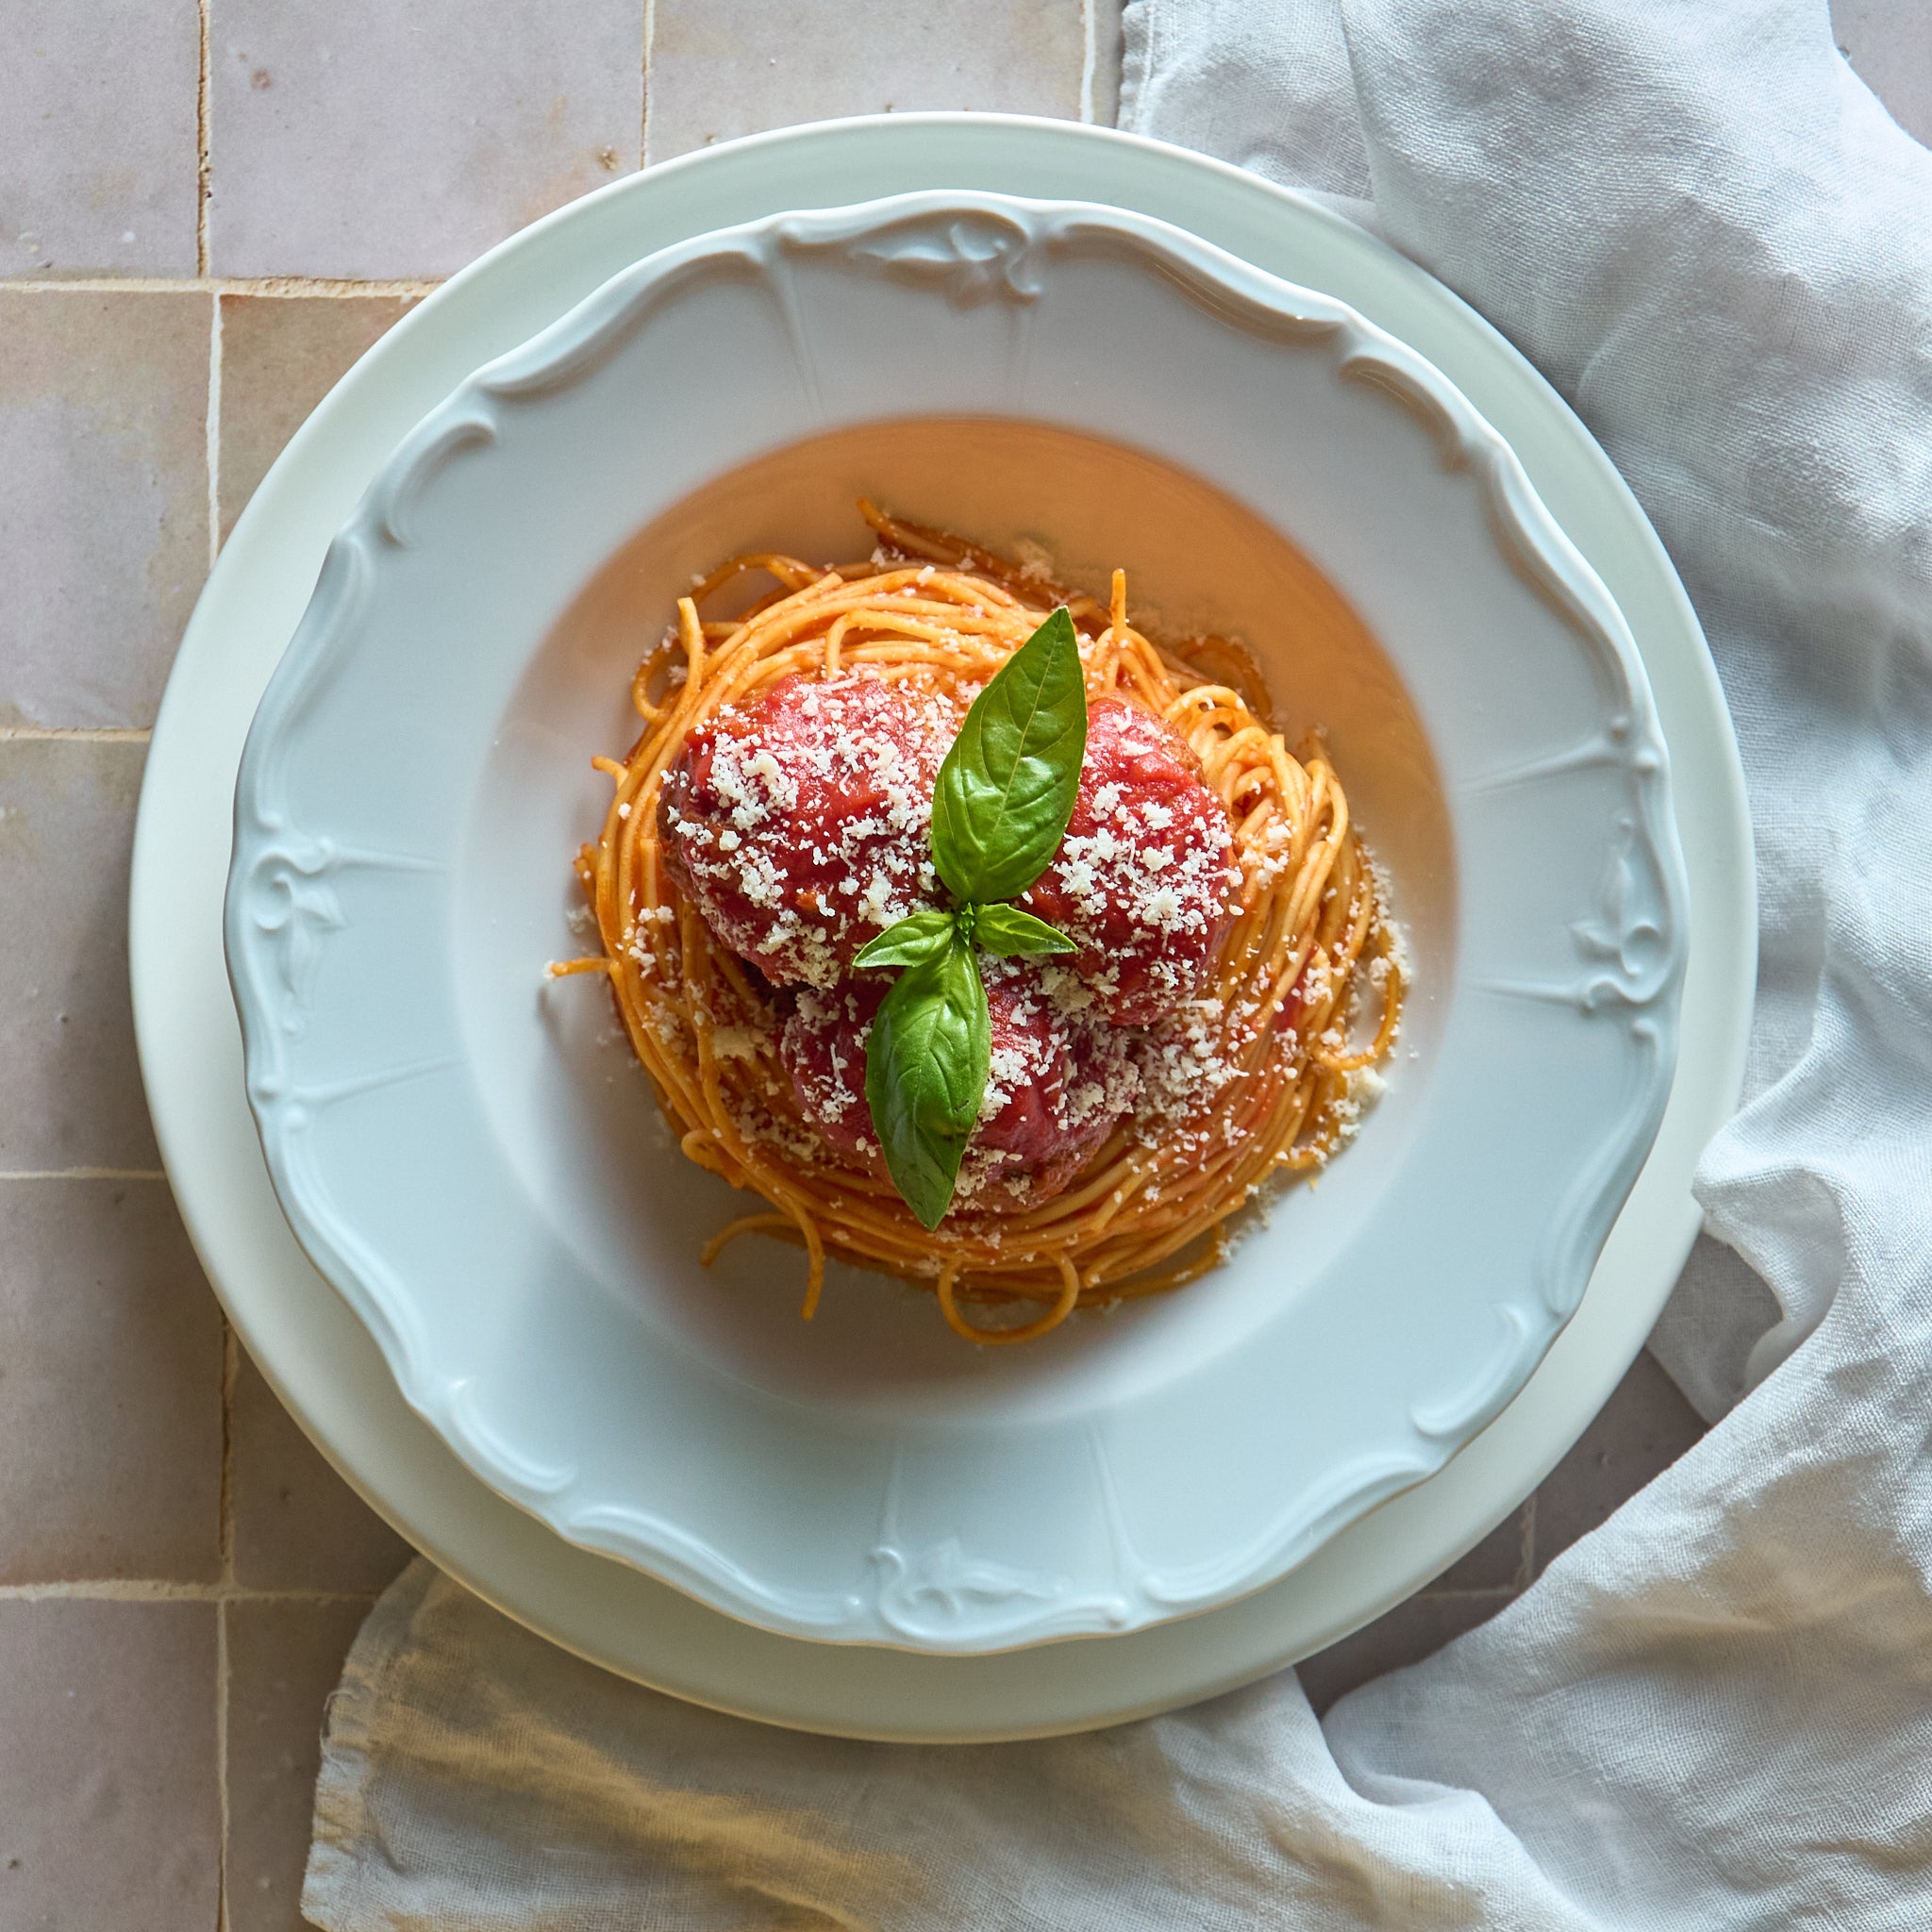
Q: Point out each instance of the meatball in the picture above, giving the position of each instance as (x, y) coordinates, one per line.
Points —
(797, 824)
(821, 1047)
(1054, 1090)
(1143, 883)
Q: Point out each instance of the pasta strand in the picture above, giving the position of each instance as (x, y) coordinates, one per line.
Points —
(1310, 944)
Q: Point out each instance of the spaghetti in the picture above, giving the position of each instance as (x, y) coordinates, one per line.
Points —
(1261, 1075)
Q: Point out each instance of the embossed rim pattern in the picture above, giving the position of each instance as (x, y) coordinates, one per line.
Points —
(318, 1357)
(964, 251)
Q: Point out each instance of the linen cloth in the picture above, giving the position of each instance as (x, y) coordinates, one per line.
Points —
(1716, 1711)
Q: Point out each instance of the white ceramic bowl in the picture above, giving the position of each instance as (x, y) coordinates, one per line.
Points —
(483, 1180)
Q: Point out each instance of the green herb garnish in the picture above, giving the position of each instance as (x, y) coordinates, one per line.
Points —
(1011, 931)
(1005, 794)
(926, 1066)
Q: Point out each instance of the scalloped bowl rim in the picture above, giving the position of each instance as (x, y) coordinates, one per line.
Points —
(591, 327)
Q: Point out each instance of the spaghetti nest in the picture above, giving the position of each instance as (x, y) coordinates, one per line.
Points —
(1258, 1075)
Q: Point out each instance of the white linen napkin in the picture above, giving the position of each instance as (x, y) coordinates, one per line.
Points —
(1716, 1711)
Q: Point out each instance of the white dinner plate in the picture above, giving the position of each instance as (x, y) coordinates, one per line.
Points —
(513, 1224)
(312, 1349)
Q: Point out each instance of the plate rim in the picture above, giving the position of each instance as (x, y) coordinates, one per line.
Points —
(778, 154)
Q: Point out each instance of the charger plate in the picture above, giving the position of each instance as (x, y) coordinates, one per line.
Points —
(312, 1351)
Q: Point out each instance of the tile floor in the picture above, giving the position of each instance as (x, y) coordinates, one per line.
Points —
(206, 213)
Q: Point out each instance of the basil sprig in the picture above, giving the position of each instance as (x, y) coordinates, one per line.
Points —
(926, 1065)
(1007, 787)
(1010, 931)
(999, 813)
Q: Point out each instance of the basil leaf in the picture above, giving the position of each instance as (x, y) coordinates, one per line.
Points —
(1007, 787)
(917, 936)
(925, 1067)
(1010, 931)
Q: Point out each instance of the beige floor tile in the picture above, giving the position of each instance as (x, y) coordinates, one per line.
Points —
(721, 68)
(1105, 48)
(284, 1658)
(110, 1818)
(1643, 1428)
(98, 148)
(1405, 1636)
(374, 140)
(103, 498)
(297, 1524)
(1890, 44)
(110, 1387)
(280, 355)
(1645, 1425)
(1500, 1561)
(70, 1090)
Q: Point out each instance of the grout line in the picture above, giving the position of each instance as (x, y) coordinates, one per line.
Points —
(114, 1590)
(83, 1173)
(336, 288)
(1090, 56)
(224, 1505)
(1500, 1593)
(201, 146)
(1530, 1540)
(224, 1532)
(222, 1765)
(37, 734)
(214, 431)
(645, 115)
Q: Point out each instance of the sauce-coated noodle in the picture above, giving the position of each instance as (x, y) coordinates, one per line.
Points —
(1147, 1212)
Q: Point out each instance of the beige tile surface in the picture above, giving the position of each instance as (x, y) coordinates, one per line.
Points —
(279, 356)
(1500, 1561)
(98, 143)
(110, 1387)
(70, 1090)
(1890, 44)
(103, 498)
(297, 1524)
(1410, 1632)
(1642, 1429)
(110, 1817)
(376, 140)
(283, 1659)
(1104, 49)
(721, 68)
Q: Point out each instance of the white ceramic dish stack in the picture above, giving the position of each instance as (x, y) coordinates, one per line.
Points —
(508, 1216)
(442, 866)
